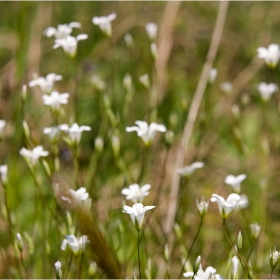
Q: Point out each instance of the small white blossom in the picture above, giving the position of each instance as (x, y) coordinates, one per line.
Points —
(271, 55)
(46, 84)
(135, 193)
(75, 196)
(202, 207)
(226, 206)
(69, 44)
(105, 23)
(274, 258)
(76, 244)
(19, 241)
(151, 29)
(137, 212)
(209, 273)
(234, 269)
(62, 30)
(266, 90)
(2, 125)
(146, 132)
(75, 131)
(235, 181)
(32, 156)
(212, 75)
(52, 132)
(4, 173)
(55, 100)
(226, 87)
(188, 170)
(255, 230)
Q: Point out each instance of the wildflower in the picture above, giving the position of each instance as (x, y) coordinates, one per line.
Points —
(76, 245)
(2, 125)
(76, 196)
(151, 29)
(137, 212)
(62, 30)
(145, 81)
(188, 170)
(146, 132)
(234, 269)
(226, 87)
(46, 84)
(32, 156)
(105, 23)
(255, 230)
(69, 44)
(58, 271)
(52, 132)
(4, 173)
(226, 207)
(75, 131)
(135, 193)
(266, 90)
(235, 181)
(270, 55)
(54, 100)
(209, 273)
(212, 75)
(274, 258)
(202, 207)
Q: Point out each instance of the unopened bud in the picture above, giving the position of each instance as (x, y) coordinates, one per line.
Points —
(274, 258)
(239, 240)
(23, 93)
(68, 219)
(46, 167)
(99, 144)
(58, 271)
(154, 50)
(116, 145)
(128, 40)
(173, 119)
(255, 230)
(166, 253)
(92, 268)
(19, 242)
(234, 269)
(127, 82)
(145, 81)
(168, 138)
(26, 129)
(212, 75)
(178, 231)
(196, 265)
(235, 112)
(202, 207)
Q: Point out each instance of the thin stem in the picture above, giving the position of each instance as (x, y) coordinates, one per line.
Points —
(271, 273)
(21, 258)
(144, 163)
(139, 255)
(191, 247)
(225, 232)
(76, 110)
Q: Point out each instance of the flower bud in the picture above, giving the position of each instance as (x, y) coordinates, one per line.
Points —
(178, 231)
(128, 40)
(196, 265)
(154, 50)
(212, 75)
(255, 230)
(116, 145)
(274, 259)
(234, 269)
(235, 112)
(239, 240)
(19, 242)
(23, 93)
(148, 270)
(92, 268)
(127, 82)
(166, 253)
(26, 129)
(98, 144)
(168, 138)
(202, 207)
(68, 219)
(58, 271)
(173, 119)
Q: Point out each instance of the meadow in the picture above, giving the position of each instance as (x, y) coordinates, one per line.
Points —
(139, 140)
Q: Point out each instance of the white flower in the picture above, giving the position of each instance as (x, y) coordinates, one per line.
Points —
(69, 44)
(235, 181)
(151, 29)
(58, 271)
(145, 81)
(135, 193)
(226, 207)
(75, 244)
(137, 212)
(75, 131)
(255, 230)
(54, 100)
(212, 75)
(270, 55)
(226, 87)
(266, 90)
(209, 273)
(105, 23)
(234, 269)
(62, 30)
(2, 125)
(32, 156)
(76, 196)
(274, 258)
(4, 173)
(52, 132)
(146, 132)
(46, 84)
(188, 170)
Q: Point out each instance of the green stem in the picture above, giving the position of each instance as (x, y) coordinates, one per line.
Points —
(191, 247)
(139, 256)
(271, 273)
(144, 163)
(225, 232)
(22, 262)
